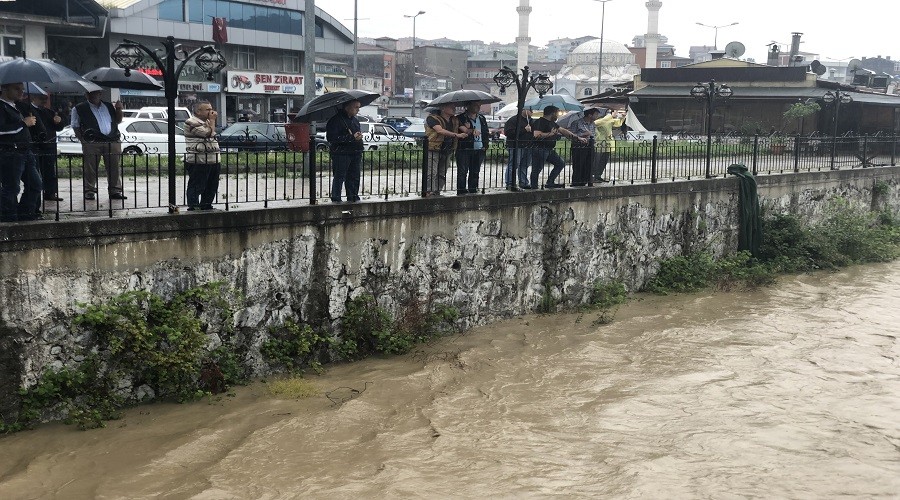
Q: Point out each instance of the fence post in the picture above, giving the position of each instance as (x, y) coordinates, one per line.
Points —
(755, 154)
(893, 150)
(312, 169)
(424, 166)
(653, 155)
(865, 151)
(796, 153)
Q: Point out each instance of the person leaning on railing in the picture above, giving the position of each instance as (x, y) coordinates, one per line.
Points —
(581, 152)
(201, 157)
(471, 150)
(345, 142)
(17, 163)
(546, 131)
(518, 145)
(606, 144)
(441, 137)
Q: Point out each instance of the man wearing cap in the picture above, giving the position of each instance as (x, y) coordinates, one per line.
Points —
(17, 163)
(96, 124)
(546, 131)
(581, 153)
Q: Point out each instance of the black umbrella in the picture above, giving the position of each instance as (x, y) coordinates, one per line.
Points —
(79, 86)
(32, 70)
(325, 106)
(460, 96)
(115, 78)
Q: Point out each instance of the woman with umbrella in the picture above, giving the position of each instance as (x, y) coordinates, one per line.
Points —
(344, 137)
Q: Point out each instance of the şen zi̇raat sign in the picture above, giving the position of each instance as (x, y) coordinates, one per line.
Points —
(251, 82)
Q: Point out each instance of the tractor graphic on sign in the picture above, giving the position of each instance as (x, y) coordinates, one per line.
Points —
(240, 82)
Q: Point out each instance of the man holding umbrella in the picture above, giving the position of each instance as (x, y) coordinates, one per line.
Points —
(344, 138)
(471, 149)
(17, 162)
(96, 124)
(46, 146)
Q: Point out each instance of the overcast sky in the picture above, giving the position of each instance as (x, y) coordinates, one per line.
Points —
(834, 31)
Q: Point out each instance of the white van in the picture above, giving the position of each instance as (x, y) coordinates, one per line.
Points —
(158, 113)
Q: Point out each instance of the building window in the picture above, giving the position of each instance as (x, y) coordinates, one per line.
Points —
(320, 30)
(245, 57)
(290, 62)
(387, 75)
(172, 10)
(588, 91)
(12, 46)
(665, 64)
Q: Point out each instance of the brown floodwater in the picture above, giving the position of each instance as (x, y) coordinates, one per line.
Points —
(788, 392)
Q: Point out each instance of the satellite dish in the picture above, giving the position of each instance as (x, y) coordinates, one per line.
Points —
(734, 49)
(854, 65)
(817, 67)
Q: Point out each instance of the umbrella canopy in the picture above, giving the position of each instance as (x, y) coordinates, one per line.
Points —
(508, 110)
(79, 86)
(564, 102)
(32, 70)
(567, 120)
(31, 88)
(325, 106)
(115, 78)
(460, 96)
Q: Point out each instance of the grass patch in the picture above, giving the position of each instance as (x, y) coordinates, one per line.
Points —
(291, 388)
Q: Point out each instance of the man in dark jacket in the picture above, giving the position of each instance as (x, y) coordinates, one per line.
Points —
(470, 150)
(17, 162)
(546, 132)
(518, 145)
(45, 146)
(346, 144)
(96, 124)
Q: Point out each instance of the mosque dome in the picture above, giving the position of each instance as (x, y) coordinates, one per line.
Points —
(593, 47)
(614, 54)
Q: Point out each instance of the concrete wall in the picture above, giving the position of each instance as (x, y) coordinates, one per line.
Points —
(490, 256)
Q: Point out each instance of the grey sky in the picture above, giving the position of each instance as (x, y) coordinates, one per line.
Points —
(861, 28)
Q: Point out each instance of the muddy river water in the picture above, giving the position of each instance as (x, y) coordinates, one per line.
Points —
(788, 392)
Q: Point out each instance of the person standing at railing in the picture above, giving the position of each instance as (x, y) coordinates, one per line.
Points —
(345, 140)
(440, 136)
(17, 163)
(201, 157)
(606, 144)
(546, 132)
(518, 146)
(471, 150)
(46, 145)
(96, 124)
(581, 152)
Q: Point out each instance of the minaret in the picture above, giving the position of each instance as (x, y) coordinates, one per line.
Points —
(651, 39)
(523, 40)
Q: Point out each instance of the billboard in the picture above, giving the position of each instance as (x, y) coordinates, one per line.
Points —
(253, 82)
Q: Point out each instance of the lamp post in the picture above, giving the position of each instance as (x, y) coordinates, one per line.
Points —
(129, 55)
(600, 63)
(412, 51)
(837, 98)
(716, 32)
(709, 92)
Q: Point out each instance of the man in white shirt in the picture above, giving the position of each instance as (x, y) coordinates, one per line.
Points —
(96, 124)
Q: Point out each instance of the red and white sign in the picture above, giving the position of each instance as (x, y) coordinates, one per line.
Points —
(251, 82)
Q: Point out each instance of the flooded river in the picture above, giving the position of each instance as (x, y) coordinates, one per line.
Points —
(788, 392)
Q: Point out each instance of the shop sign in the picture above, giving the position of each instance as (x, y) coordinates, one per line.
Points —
(251, 82)
(199, 87)
(143, 93)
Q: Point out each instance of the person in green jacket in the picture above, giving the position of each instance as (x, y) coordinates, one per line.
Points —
(606, 145)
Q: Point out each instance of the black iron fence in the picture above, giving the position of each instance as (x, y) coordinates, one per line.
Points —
(253, 179)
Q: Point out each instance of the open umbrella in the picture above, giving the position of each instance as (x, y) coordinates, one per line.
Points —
(569, 118)
(79, 86)
(32, 88)
(460, 96)
(508, 110)
(33, 70)
(561, 101)
(116, 78)
(325, 106)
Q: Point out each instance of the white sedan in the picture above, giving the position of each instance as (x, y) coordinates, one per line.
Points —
(139, 136)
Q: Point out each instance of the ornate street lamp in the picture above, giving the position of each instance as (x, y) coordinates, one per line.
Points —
(709, 92)
(130, 54)
(837, 98)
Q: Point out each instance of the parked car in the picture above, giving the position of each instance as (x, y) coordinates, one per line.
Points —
(495, 127)
(377, 135)
(398, 122)
(138, 136)
(415, 131)
(253, 136)
(158, 113)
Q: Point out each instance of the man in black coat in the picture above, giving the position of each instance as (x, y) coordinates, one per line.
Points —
(17, 162)
(45, 146)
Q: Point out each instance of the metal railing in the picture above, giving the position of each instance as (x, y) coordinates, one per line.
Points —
(257, 179)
